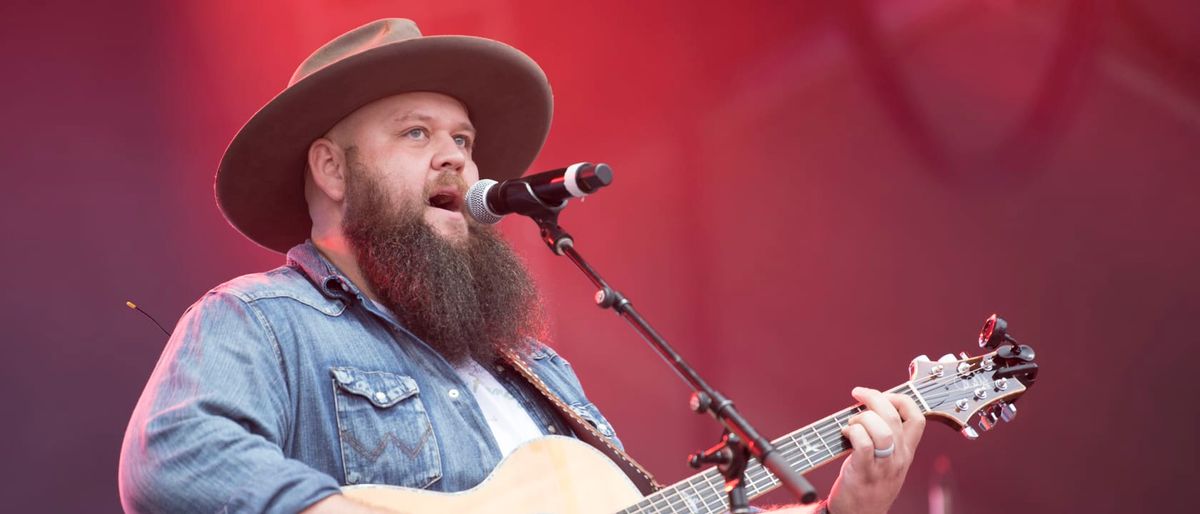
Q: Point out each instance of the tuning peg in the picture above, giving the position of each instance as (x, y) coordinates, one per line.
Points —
(987, 420)
(969, 433)
(948, 358)
(912, 365)
(1008, 411)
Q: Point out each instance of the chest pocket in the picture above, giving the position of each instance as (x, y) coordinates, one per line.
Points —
(384, 430)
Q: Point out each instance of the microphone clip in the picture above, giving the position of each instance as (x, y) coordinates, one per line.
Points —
(553, 235)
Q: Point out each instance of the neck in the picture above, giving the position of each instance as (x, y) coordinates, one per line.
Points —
(338, 251)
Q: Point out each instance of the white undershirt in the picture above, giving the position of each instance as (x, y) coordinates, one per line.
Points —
(510, 423)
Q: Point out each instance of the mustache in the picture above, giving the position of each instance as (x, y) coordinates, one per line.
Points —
(447, 179)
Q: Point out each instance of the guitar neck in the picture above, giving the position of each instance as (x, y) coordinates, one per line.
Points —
(804, 450)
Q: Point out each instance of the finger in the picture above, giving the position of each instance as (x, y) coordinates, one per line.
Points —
(878, 430)
(878, 403)
(914, 421)
(864, 447)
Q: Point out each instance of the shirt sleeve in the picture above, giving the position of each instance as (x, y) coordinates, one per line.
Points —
(207, 433)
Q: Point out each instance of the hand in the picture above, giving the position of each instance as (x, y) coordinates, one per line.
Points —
(869, 484)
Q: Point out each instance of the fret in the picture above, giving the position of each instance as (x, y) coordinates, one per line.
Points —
(760, 482)
(822, 439)
(676, 499)
(696, 498)
(716, 485)
(803, 450)
(644, 505)
(681, 500)
(665, 501)
(840, 423)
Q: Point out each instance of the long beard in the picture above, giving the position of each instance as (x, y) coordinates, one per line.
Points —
(473, 299)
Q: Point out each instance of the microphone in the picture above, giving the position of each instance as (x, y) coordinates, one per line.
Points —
(488, 200)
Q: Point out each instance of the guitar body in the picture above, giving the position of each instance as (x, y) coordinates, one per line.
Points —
(552, 474)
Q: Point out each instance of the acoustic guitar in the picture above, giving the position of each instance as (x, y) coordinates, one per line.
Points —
(562, 475)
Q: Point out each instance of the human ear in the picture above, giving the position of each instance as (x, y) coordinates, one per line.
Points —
(327, 166)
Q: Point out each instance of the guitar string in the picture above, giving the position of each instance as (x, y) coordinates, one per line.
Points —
(929, 385)
(713, 501)
(758, 479)
(799, 451)
(831, 426)
(796, 455)
(677, 506)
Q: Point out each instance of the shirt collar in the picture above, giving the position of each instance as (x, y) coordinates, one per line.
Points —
(332, 282)
(327, 277)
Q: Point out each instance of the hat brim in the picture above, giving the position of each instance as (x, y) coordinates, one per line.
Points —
(260, 181)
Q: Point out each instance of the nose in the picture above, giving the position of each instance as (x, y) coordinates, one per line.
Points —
(449, 156)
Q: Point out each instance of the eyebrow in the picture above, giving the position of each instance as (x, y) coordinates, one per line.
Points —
(420, 116)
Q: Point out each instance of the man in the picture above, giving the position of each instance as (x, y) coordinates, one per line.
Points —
(377, 354)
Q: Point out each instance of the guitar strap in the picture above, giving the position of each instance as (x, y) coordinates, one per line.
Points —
(585, 431)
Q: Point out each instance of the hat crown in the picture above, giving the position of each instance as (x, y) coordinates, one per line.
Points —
(361, 39)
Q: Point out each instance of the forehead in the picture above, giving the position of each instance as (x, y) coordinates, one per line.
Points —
(425, 106)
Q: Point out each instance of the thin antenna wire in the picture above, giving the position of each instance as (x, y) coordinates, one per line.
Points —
(134, 306)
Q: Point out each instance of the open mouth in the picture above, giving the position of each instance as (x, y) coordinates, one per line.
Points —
(447, 198)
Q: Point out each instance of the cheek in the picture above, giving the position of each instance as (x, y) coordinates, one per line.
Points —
(398, 194)
(470, 173)
(402, 179)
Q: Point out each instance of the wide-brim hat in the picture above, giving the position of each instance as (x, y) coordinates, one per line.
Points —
(260, 181)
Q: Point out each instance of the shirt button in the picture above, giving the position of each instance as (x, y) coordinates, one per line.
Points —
(453, 393)
(499, 369)
(381, 396)
(551, 429)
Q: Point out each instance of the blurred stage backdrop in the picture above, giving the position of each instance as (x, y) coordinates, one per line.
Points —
(807, 195)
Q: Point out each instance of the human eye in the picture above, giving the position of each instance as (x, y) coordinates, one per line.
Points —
(463, 141)
(416, 133)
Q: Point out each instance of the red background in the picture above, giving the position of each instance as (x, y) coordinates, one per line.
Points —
(807, 195)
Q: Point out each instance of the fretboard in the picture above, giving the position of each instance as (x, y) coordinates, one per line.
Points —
(805, 449)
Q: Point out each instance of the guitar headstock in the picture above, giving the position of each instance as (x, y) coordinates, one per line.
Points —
(972, 393)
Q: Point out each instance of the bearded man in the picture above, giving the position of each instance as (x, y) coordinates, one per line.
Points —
(382, 351)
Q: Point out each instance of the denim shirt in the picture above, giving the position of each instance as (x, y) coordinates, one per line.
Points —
(277, 388)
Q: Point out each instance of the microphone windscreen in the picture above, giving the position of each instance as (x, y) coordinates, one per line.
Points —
(477, 202)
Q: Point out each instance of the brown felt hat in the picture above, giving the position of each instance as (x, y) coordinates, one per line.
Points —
(260, 182)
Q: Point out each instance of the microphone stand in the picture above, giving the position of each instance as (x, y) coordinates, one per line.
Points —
(740, 440)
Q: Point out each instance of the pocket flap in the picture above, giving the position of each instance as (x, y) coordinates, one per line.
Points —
(381, 388)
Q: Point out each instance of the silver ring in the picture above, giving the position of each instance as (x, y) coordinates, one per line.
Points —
(886, 452)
